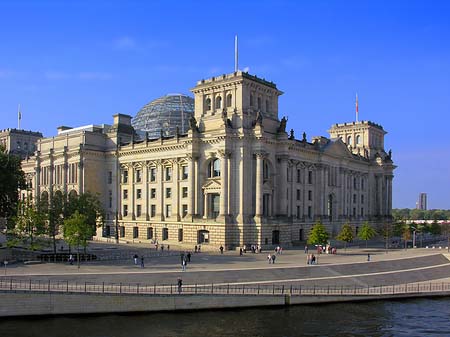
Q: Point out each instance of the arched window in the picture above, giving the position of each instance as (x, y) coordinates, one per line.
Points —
(349, 140)
(358, 139)
(218, 102)
(214, 168)
(267, 105)
(229, 99)
(259, 102)
(208, 104)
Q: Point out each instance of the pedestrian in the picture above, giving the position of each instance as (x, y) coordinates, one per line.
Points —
(269, 258)
(162, 247)
(135, 258)
(313, 259)
(188, 255)
(245, 249)
(195, 249)
(240, 251)
(280, 250)
(199, 248)
(306, 249)
(180, 285)
(142, 261)
(308, 259)
(71, 259)
(221, 249)
(181, 258)
(183, 265)
(168, 247)
(368, 257)
(273, 258)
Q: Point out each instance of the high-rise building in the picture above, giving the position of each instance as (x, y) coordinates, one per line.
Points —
(422, 203)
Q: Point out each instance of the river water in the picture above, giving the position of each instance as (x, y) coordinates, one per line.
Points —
(419, 317)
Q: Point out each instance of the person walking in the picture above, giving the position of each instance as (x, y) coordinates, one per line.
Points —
(306, 249)
(269, 258)
(368, 257)
(142, 261)
(183, 265)
(221, 249)
(135, 258)
(273, 258)
(308, 259)
(188, 255)
(180, 285)
(71, 259)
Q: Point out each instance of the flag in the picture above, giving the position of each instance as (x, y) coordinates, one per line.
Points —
(19, 113)
(356, 103)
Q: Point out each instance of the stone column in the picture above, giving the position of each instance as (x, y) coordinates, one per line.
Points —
(191, 189)
(205, 205)
(223, 183)
(175, 187)
(195, 183)
(131, 194)
(65, 172)
(159, 192)
(259, 186)
(282, 192)
(145, 191)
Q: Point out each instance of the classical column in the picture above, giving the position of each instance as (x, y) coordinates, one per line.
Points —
(205, 205)
(259, 185)
(80, 176)
(224, 183)
(191, 189)
(175, 187)
(195, 183)
(131, 194)
(282, 192)
(159, 192)
(145, 190)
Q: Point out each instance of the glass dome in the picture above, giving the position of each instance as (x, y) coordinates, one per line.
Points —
(165, 113)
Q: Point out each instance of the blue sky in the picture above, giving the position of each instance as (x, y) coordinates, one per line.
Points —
(79, 62)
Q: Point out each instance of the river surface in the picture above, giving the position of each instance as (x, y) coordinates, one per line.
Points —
(419, 317)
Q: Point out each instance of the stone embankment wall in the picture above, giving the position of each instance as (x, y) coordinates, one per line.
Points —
(34, 303)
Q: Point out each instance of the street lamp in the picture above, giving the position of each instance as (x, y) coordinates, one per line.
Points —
(414, 236)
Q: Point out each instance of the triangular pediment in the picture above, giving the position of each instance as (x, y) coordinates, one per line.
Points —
(211, 184)
(336, 147)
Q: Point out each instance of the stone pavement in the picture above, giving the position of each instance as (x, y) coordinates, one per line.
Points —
(346, 268)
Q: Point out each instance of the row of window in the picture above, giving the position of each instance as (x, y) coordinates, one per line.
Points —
(152, 174)
(150, 233)
(152, 213)
(168, 194)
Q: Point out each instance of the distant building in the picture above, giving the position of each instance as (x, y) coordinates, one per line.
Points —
(422, 203)
(19, 142)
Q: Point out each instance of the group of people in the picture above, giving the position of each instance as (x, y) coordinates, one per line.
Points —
(271, 258)
(253, 248)
(136, 260)
(162, 246)
(311, 259)
(185, 258)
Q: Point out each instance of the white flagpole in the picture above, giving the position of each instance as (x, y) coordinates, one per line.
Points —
(235, 53)
(357, 108)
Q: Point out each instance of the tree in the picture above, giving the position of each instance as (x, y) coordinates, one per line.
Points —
(77, 231)
(87, 204)
(406, 234)
(12, 179)
(30, 222)
(318, 235)
(386, 232)
(367, 232)
(346, 235)
(435, 228)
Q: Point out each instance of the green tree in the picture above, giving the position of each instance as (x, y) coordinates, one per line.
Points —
(77, 231)
(29, 223)
(406, 234)
(386, 233)
(346, 235)
(367, 232)
(12, 179)
(435, 228)
(318, 235)
(87, 204)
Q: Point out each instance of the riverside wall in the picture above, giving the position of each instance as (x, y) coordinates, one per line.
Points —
(35, 303)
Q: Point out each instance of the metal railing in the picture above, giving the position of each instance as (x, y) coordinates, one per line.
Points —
(51, 286)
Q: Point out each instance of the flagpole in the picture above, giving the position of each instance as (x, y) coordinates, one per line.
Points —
(19, 117)
(356, 106)
(235, 53)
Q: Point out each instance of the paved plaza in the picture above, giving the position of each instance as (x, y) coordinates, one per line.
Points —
(348, 267)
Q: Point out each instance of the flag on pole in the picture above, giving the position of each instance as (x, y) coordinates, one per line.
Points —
(356, 106)
(19, 113)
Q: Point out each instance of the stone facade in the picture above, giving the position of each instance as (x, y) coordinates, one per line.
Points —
(19, 142)
(237, 177)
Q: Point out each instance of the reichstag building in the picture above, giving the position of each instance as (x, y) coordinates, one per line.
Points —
(219, 169)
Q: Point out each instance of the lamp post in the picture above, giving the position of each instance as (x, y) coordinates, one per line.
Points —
(414, 236)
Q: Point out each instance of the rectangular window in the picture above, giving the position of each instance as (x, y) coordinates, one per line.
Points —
(184, 192)
(184, 172)
(299, 174)
(298, 194)
(110, 199)
(122, 231)
(152, 173)
(310, 177)
(125, 210)
(362, 199)
(138, 210)
(135, 232)
(362, 211)
(168, 192)
(184, 210)
(138, 193)
(152, 193)
(152, 211)
(168, 211)
(125, 194)
(354, 211)
(138, 175)
(310, 195)
(168, 173)
(354, 198)
(109, 177)
(180, 234)
(309, 212)
(125, 177)
(298, 212)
